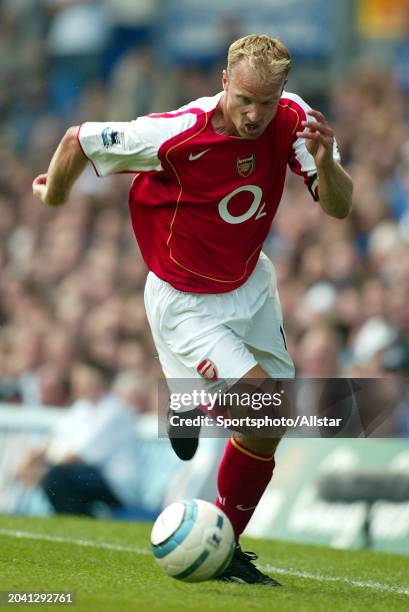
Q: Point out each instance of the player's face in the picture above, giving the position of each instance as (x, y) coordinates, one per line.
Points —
(249, 103)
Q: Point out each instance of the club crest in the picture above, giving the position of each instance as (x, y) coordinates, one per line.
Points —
(207, 369)
(246, 165)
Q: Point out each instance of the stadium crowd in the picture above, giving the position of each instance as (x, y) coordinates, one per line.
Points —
(71, 279)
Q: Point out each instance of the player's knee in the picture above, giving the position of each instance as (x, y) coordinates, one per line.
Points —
(262, 446)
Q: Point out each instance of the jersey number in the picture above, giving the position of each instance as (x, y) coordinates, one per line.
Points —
(255, 208)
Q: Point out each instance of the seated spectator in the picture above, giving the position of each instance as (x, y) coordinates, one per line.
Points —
(91, 456)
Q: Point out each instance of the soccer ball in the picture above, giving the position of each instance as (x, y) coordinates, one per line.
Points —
(193, 540)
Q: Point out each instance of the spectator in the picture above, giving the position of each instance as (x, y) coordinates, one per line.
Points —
(77, 35)
(92, 454)
(317, 355)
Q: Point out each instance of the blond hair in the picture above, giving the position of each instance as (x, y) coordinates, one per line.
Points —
(268, 56)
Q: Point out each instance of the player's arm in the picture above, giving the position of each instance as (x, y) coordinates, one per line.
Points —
(66, 165)
(335, 184)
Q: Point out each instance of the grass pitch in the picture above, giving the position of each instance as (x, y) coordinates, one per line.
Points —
(109, 566)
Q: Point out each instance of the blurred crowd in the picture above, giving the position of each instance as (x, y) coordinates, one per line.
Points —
(71, 279)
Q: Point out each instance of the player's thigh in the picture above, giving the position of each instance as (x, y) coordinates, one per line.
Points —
(192, 328)
(196, 351)
(208, 348)
(266, 339)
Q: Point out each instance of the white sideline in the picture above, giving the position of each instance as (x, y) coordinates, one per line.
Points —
(376, 586)
(360, 584)
(28, 535)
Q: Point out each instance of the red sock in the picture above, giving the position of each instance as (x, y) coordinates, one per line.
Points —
(241, 481)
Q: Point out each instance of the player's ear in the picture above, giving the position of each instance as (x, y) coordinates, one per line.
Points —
(225, 79)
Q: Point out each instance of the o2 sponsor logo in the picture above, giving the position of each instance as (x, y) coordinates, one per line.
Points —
(256, 208)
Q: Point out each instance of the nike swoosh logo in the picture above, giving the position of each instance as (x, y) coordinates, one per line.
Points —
(243, 509)
(197, 155)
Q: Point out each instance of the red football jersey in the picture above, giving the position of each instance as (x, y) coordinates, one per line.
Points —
(202, 203)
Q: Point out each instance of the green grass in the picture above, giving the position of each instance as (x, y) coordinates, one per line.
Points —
(109, 566)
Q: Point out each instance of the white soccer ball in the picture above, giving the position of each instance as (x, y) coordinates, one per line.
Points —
(193, 540)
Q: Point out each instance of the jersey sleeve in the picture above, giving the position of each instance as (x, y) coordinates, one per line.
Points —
(131, 146)
(300, 160)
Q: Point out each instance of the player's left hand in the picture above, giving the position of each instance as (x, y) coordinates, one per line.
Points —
(319, 137)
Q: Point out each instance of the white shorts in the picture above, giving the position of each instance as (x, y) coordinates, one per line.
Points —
(218, 338)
